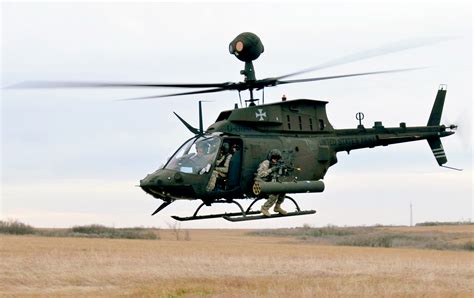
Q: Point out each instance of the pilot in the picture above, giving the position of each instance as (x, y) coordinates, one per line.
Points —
(264, 173)
(201, 159)
(222, 166)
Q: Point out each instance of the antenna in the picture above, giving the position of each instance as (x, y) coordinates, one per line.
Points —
(201, 130)
(201, 127)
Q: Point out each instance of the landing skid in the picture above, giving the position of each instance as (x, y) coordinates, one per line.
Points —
(276, 215)
(223, 215)
(242, 215)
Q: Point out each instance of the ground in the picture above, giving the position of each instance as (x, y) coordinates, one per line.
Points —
(227, 263)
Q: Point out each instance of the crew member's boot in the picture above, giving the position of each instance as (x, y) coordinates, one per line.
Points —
(278, 209)
(268, 204)
(265, 212)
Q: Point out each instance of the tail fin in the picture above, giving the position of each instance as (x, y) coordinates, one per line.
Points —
(437, 110)
(438, 150)
(434, 120)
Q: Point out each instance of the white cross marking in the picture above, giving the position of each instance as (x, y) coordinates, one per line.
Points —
(261, 115)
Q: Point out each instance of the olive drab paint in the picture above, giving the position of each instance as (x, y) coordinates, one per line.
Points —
(301, 130)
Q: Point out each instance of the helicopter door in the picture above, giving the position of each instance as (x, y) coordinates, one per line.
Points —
(233, 175)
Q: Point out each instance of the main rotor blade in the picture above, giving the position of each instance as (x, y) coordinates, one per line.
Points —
(176, 94)
(59, 84)
(371, 53)
(345, 76)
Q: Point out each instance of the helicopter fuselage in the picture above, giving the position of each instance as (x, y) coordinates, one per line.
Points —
(298, 128)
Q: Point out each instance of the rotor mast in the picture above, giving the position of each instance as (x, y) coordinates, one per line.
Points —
(250, 78)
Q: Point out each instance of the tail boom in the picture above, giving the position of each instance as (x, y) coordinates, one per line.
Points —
(350, 139)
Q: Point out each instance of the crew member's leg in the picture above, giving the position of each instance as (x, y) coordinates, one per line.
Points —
(278, 209)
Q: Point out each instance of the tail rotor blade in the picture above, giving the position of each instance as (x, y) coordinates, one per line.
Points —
(463, 127)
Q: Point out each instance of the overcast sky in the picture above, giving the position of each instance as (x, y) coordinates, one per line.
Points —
(73, 157)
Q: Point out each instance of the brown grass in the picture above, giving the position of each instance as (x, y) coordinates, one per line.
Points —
(225, 263)
(434, 237)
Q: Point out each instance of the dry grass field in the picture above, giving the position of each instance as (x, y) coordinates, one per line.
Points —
(228, 263)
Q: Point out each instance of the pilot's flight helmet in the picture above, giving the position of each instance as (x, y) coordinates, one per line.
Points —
(274, 154)
(225, 148)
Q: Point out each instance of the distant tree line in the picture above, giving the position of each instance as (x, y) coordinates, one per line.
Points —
(15, 227)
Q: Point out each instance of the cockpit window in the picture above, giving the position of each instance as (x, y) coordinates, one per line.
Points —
(195, 156)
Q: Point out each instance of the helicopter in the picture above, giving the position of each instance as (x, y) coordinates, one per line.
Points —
(298, 128)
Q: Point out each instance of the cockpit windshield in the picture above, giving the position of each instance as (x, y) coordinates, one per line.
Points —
(195, 156)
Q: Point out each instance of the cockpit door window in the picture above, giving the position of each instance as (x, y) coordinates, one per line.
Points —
(195, 156)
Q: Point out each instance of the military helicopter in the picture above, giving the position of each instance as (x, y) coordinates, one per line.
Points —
(298, 128)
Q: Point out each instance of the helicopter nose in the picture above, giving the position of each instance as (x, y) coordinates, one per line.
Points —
(153, 185)
(145, 184)
(167, 185)
(150, 180)
(145, 181)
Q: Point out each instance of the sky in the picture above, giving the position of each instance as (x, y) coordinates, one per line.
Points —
(75, 157)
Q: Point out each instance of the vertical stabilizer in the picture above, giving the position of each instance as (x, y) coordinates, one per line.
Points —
(437, 110)
(435, 118)
(438, 150)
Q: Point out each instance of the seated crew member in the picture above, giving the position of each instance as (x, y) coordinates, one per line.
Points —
(202, 158)
(264, 173)
(222, 166)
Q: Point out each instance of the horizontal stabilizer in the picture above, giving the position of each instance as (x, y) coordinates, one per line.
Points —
(438, 150)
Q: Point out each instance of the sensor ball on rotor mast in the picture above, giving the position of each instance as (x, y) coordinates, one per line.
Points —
(246, 47)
